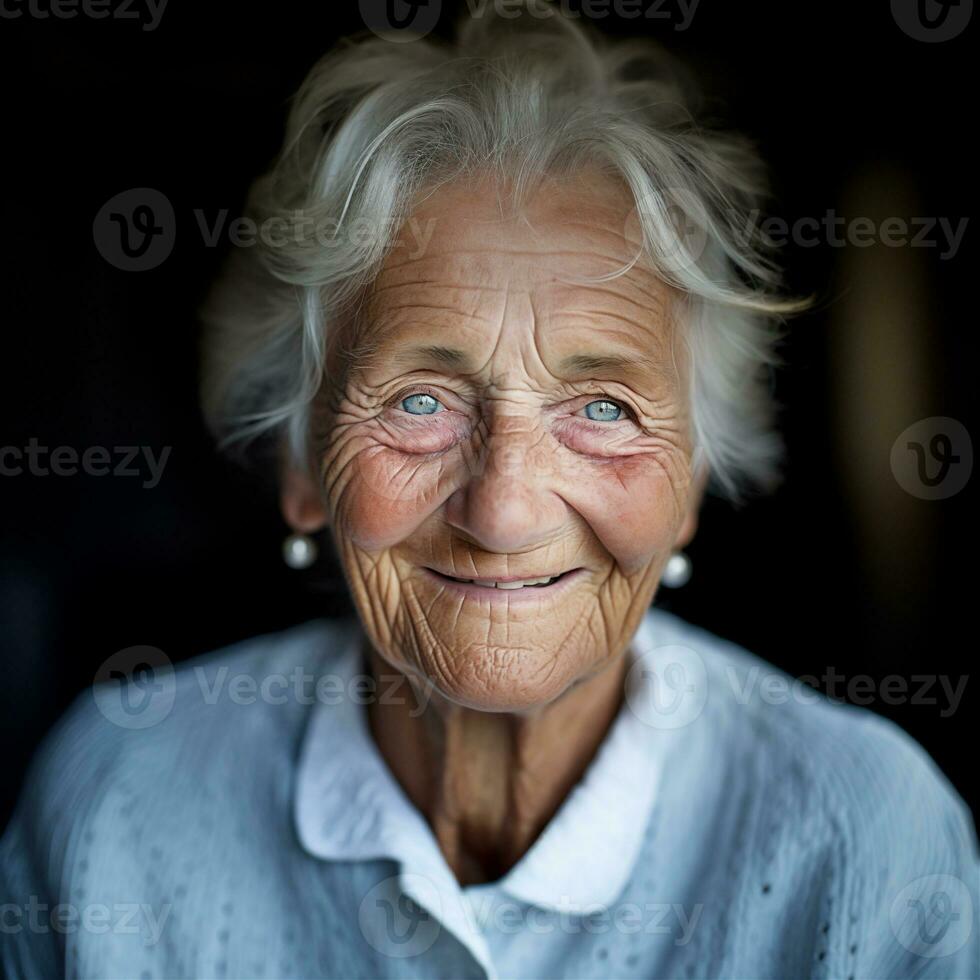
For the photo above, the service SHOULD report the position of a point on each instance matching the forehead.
(466, 269)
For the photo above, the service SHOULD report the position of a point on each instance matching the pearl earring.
(299, 551)
(677, 571)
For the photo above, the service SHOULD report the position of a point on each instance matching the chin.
(516, 678)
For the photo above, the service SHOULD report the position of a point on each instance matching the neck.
(489, 782)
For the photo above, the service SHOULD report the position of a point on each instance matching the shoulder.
(146, 709)
(154, 742)
(157, 783)
(862, 761)
(845, 797)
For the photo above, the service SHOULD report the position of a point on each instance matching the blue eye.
(603, 411)
(421, 403)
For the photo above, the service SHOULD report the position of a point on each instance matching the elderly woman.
(500, 329)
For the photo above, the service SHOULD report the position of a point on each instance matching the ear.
(300, 501)
(689, 525)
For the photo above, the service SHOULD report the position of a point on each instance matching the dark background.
(841, 568)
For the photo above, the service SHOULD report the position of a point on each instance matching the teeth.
(490, 584)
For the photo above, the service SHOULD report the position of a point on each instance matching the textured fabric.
(732, 824)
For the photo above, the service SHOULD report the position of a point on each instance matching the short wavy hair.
(376, 123)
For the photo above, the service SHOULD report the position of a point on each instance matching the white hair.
(376, 122)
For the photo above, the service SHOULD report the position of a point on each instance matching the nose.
(510, 501)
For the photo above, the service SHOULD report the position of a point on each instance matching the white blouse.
(734, 823)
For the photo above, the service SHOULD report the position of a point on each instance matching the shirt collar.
(348, 805)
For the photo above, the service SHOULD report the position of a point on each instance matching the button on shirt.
(732, 824)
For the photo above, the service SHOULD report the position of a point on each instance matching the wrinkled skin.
(509, 476)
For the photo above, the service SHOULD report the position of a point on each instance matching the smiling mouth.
(507, 584)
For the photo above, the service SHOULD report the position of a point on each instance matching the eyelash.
(627, 411)
(423, 390)
(593, 397)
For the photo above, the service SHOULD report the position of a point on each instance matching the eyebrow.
(431, 354)
(572, 366)
(449, 356)
(584, 364)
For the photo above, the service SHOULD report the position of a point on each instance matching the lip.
(490, 594)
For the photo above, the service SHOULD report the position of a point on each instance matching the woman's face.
(510, 423)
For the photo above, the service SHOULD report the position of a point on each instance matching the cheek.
(387, 474)
(386, 495)
(633, 506)
(603, 441)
